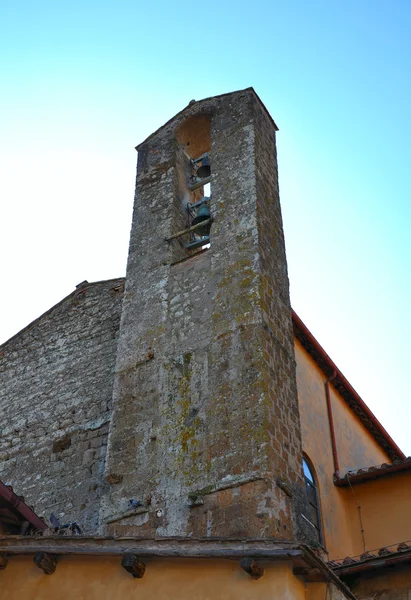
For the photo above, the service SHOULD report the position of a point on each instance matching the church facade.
(184, 416)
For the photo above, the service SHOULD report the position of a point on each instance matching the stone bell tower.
(205, 436)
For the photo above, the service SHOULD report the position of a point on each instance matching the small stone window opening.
(313, 516)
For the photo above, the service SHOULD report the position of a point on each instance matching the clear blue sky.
(83, 82)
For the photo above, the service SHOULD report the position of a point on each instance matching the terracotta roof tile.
(371, 555)
(373, 472)
(403, 546)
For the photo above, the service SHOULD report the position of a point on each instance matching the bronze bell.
(205, 169)
(203, 214)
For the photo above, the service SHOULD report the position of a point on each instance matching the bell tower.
(205, 436)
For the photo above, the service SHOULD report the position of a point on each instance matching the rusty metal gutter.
(331, 423)
(21, 507)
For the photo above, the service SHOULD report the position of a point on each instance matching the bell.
(203, 214)
(205, 169)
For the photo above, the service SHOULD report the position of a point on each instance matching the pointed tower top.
(207, 104)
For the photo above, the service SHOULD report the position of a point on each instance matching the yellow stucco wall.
(100, 578)
(320, 591)
(356, 449)
(385, 508)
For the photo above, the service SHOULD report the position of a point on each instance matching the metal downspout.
(331, 424)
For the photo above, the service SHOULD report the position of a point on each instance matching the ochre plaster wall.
(356, 448)
(385, 508)
(320, 591)
(98, 578)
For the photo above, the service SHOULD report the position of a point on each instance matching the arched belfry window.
(313, 516)
(194, 174)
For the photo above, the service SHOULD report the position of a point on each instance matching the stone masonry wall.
(283, 417)
(55, 402)
(205, 433)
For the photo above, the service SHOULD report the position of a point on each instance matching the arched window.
(313, 516)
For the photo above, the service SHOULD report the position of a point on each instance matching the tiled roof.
(15, 513)
(389, 555)
(373, 472)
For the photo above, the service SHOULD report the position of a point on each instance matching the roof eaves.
(373, 472)
(304, 560)
(18, 504)
(374, 559)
